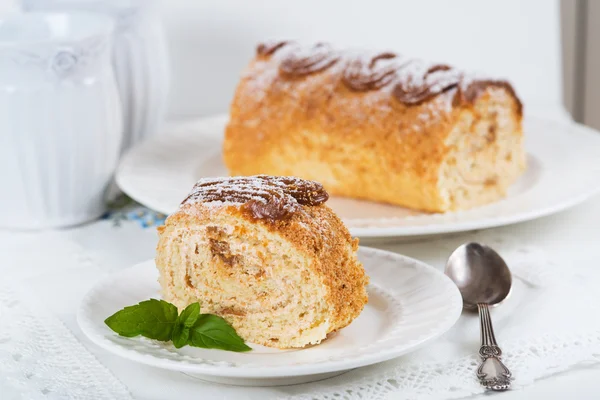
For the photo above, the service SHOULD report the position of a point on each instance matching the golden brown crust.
(368, 143)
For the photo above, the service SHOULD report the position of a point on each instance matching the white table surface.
(574, 233)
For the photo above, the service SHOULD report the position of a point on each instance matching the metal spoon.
(484, 280)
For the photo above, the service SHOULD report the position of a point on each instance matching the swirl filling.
(261, 196)
(468, 93)
(304, 61)
(418, 87)
(269, 48)
(363, 75)
(414, 81)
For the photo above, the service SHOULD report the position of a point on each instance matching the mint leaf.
(154, 319)
(185, 321)
(213, 332)
(180, 335)
(190, 315)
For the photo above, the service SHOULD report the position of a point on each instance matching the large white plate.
(410, 303)
(564, 169)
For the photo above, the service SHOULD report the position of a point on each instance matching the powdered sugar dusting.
(469, 78)
(411, 72)
(265, 196)
(257, 83)
(412, 81)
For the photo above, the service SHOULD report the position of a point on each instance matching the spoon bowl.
(484, 280)
(481, 275)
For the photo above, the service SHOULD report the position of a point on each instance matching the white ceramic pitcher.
(60, 118)
(140, 59)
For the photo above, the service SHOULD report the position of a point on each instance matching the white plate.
(410, 304)
(563, 170)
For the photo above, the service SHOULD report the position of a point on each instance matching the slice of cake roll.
(266, 254)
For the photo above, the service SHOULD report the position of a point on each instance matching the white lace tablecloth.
(548, 325)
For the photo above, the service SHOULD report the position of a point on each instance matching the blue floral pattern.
(126, 209)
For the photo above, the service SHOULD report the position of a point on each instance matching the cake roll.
(377, 126)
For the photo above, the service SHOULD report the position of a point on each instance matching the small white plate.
(563, 171)
(410, 304)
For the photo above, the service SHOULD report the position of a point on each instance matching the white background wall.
(211, 41)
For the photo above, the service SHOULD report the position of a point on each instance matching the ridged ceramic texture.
(141, 66)
(410, 304)
(61, 127)
(563, 170)
(140, 60)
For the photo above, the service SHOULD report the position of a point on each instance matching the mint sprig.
(158, 319)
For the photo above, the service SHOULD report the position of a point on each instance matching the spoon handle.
(492, 373)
